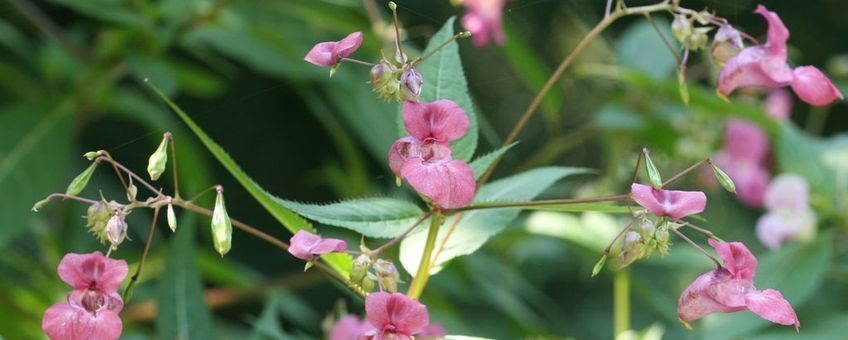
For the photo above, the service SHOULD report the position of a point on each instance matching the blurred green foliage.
(71, 81)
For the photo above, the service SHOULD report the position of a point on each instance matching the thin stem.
(704, 231)
(617, 236)
(552, 80)
(270, 239)
(134, 278)
(204, 192)
(563, 201)
(399, 52)
(621, 301)
(663, 38)
(395, 240)
(638, 163)
(608, 10)
(174, 161)
(358, 62)
(423, 274)
(696, 246)
(441, 46)
(71, 197)
(686, 171)
(117, 172)
(131, 174)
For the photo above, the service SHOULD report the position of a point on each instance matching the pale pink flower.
(329, 53)
(731, 289)
(424, 158)
(93, 306)
(789, 213)
(395, 316)
(765, 66)
(307, 246)
(483, 20)
(672, 203)
(778, 104)
(350, 327)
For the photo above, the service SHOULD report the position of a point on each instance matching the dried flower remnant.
(731, 289)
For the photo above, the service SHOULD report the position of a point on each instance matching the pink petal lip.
(813, 87)
(672, 203)
(63, 321)
(769, 304)
(448, 183)
(442, 120)
(92, 270)
(396, 314)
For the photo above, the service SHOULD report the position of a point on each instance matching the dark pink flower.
(483, 20)
(395, 316)
(765, 66)
(350, 327)
(93, 306)
(307, 246)
(731, 289)
(329, 53)
(671, 203)
(424, 158)
(789, 214)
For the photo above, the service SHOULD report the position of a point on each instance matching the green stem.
(621, 301)
(423, 274)
(564, 201)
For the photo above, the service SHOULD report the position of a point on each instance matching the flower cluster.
(389, 316)
(789, 214)
(93, 305)
(731, 289)
(424, 157)
(765, 66)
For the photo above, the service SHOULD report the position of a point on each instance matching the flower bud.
(132, 191)
(387, 275)
(98, 215)
(368, 283)
(384, 80)
(698, 39)
(222, 227)
(411, 82)
(661, 238)
(80, 181)
(157, 161)
(646, 228)
(116, 229)
(632, 248)
(360, 268)
(681, 28)
(727, 43)
(172, 218)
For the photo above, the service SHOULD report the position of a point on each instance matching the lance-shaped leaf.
(482, 163)
(81, 180)
(373, 217)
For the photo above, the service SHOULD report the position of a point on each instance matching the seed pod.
(222, 227)
(79, 182)
(172, 218)
(387, 275)
(116, 229)
(384, 81)
(632, 248)
(98, 215)
(722, 177)
(653, 173)
(159, 159)
(360, 268)
(411, 82)
(368, 283)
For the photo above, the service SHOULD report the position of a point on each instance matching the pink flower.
(93, 306)
(432, 330)
(483, 20)
(778, 104)
(395, 316)
(751, 177)
(307, 246)
(765, 66)
(731, 289)
(671, 203)
(424, 158)
(789, 214)
(329, 53)
(350, 327)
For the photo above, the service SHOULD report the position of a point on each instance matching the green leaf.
(34, 159)
(582, 207)
(799, 153)
(592, 231)
(79, 182)
(796, 271)
(444, 78)
(642, 49)
(182, 310)
(373, 217)
(286, 217)
(477, 226)
(482, 163)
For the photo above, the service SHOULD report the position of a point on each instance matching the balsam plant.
(462, 208)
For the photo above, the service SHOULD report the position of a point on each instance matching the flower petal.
(813, 87)
(442, 120)
(770, 305)
(738, 260)
(350, 327)
(644, 196)
(401, 150)
(448, 183)
(777, 33)
(483, 20)
(754, 66)
(322, 54)
(745, 140)
(329, 245)
(65, 322)
(348, 45)
(302, 243)
(405, 315)
(787, 191)
(774, 228)
(672, 203)
(84, 270)
(701, 298)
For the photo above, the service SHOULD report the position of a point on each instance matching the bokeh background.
(71, 81)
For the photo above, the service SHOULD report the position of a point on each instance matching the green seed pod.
(359, 268)
(172, 218)
(222, 227)
(653, 173)
(368, 283)
(159, 159)
(722, 177)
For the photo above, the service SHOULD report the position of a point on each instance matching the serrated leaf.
(373, 217)
(182, 312)
(286, 217)
(444, 78)
(477, 226)
(482, 163)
